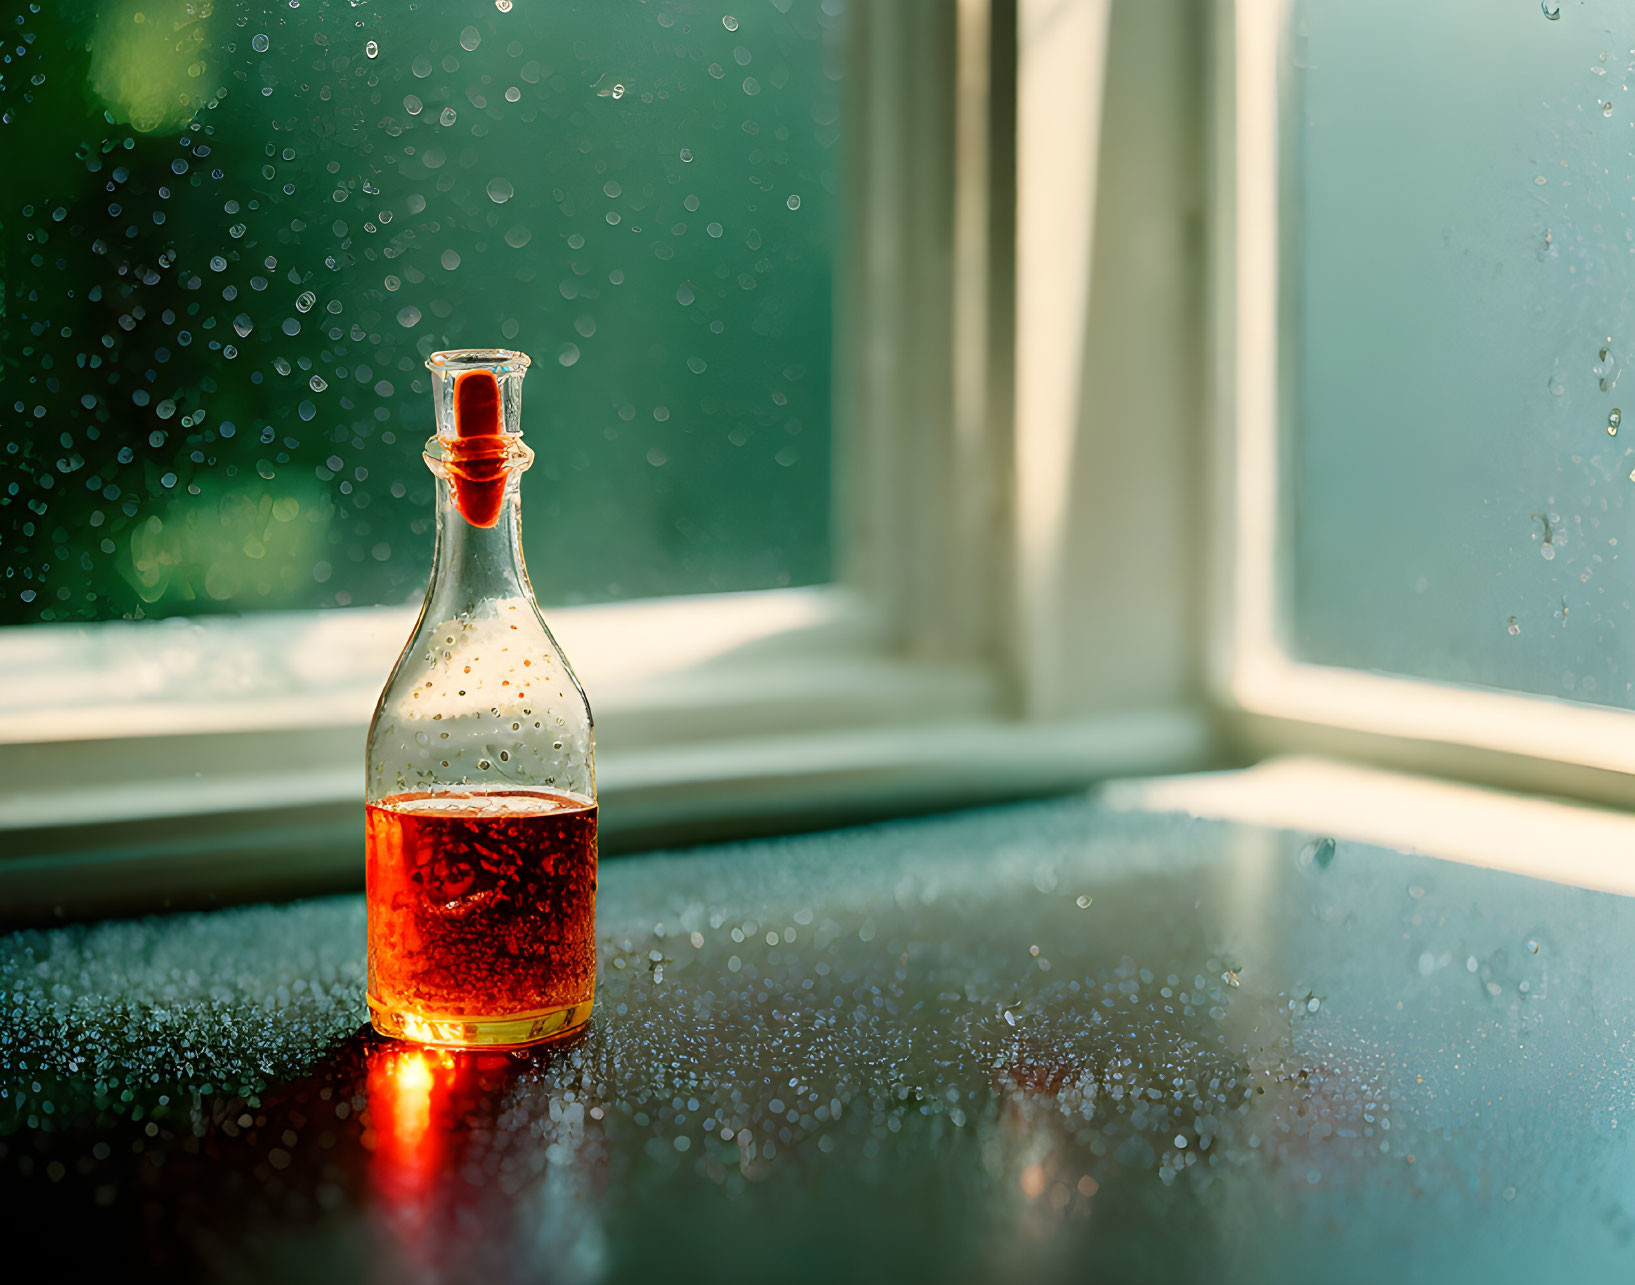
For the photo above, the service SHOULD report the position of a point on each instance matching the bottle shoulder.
(495, 661)
(482, 698)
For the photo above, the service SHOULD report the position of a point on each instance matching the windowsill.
(716, 716)
(1571, 843)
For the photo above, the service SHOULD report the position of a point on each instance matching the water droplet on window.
(371, 49)
(470, 38)
(447, 116)
(259, 43)
(500, 190)
(730, 23)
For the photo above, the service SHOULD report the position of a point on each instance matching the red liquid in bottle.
(482, 915)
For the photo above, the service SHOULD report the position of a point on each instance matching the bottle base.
(514, 1030)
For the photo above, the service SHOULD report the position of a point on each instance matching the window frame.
(1273, 702)
(941, 668)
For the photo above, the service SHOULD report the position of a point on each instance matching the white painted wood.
(1061, 63)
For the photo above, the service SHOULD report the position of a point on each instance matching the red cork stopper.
(476, 404)
(477, 460)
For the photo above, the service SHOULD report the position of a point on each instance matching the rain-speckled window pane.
(1461, 204)
(232, 231)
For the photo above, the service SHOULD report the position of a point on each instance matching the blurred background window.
(1459, 249)
(237, 229)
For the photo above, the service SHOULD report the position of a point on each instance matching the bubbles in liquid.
(500, 191)
(447, 116)
(1511, 627)
(259, 43)
(504, 6)
(793, 202)
(1614, 418)
(410, 316)
(371, 49)
(1551, 9)
(470, 38)
(1558, 386)
(730, 23)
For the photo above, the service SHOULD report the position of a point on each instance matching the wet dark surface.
(1046, 1042)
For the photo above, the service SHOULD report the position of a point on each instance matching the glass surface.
(1460, 250)
(1039, 1043)
(232, 231)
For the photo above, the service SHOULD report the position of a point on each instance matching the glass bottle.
(481, 777)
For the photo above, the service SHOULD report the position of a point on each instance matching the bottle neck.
(473, 563)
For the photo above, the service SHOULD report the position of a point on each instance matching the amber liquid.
(482, 915)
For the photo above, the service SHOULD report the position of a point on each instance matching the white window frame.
(1275, 702)
(960, 657)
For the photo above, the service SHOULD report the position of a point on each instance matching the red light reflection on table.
(405, 1086)
(426, 1109)
(455, 1138)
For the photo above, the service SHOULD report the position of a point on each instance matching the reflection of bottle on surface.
(481, 841)
(437, 1119)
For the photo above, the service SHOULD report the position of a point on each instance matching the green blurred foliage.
(233, 231)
